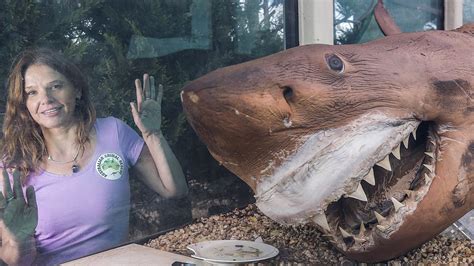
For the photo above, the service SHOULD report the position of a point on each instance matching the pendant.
(75, 168)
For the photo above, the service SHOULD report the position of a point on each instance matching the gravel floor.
(301, 244)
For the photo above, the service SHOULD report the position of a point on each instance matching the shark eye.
(288, 93)
(335, 63)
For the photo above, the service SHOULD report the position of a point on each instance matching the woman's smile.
(52, 111)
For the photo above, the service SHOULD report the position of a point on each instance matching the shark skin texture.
(371, 143)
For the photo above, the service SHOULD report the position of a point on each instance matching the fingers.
(147, 91)
(160, 94)
(139, 91)
(7, 188)
(3, 202)
(152, 88)
(31, 198)
(18, 192)
(146, 86)
(32, 204)
(135, 114)
(3, 205)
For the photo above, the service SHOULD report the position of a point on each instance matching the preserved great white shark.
(372, 143)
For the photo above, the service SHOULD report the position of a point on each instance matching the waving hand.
(18, 218)
(147, 110)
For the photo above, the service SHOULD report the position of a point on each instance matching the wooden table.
(134, 254)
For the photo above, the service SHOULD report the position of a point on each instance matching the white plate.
(232, 251)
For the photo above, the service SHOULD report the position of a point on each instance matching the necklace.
(75, 166)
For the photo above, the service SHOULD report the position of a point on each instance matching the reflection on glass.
(468, 11)
(113, 42)
(252, 19)
(354, 21)
(200, 37)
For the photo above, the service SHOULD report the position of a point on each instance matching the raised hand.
(147, 110)
(18, 217)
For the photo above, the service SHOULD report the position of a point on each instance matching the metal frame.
(453, 14)
(290, 11)
(316, 20)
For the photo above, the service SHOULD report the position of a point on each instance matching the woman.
(74, 167)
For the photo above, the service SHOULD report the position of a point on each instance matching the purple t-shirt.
(88, 211)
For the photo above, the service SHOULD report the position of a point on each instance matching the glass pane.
(354, 21)
(115, 42)
(468, 11)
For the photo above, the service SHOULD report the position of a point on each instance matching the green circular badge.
(109, 166)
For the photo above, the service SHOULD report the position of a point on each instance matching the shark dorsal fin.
(384, 20)
(389, 27)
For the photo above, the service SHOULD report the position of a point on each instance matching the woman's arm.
(18, 221)
(157, 165)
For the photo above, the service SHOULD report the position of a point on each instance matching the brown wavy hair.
(23, 144)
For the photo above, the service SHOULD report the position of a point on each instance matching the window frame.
(316, 19)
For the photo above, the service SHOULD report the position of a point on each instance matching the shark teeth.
(382, 227)
(321, 220)
(359, 240)
(358, 194)
(370, 177)
(397, 204)
(385, 163)
(389, 221)
(413, 133)
(396, 152)
(405, 142)
(429, 167)
(344, 233)
(379, 217)
(430, 154)
(427, 178)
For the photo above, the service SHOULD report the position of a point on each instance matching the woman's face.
(50, 97)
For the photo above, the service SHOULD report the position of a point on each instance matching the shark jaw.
(353, 181)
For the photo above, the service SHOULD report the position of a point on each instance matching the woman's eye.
(335, 63)
(30, 93)
(57, 86)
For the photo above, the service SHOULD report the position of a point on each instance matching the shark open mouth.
(389, 192)
(354, 187)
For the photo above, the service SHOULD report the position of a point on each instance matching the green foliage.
(354, 21)
(97, 35)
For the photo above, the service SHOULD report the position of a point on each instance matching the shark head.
(371, 143)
